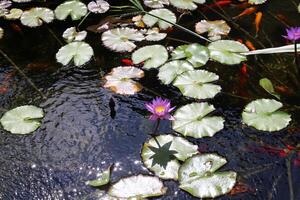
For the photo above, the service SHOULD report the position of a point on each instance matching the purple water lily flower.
(160, 109)
(293, 34)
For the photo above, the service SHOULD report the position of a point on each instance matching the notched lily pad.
(192, 120)
(161, 13)
(22, 120)
(227, 52)
(74, 8)
(199, 176)
(36, 16)
(264, 115)
(79, 52)
(153, 56)
(183, 150)
(137, 187)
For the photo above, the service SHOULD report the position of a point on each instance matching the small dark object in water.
(112, 106)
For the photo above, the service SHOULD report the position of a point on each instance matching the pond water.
(86, 127)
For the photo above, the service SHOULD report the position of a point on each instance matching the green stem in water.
(22, 73)
(54, 35)
(296, 58)
(155, 131)
(83, 19)
(290, 180)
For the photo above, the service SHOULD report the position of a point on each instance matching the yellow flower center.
(160, 109)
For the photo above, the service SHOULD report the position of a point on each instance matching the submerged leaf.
(137, 187)
(102, 180)
(198, 84)
(268, 86)
(79, 52)
(183, 148)
(22, 120)
(36, 16)
(227, 52)
(153, 56)
(74, 8)
(161, 13)
(120, 80)
(192, 120)
(264, 115)
(196, 54)
(186, 4)
(121, 39)
(198, 176)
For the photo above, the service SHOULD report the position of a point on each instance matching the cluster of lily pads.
(198, 174)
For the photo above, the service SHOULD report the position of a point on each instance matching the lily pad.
(121, 39)
(98, 6)
(268, 87)
(169, 71)
(198, 176)
(186, 4)
(79, 52)
(119, 80)
(215, 29)
(156, 3)
(227, 52)
(161, 13)
(195, 53)
(36, 16)
(13, 14)
(197, 84)
(153, 56)
(264, 115)
(137, 187)
(155, 35)
(102, 180)
(1, 33)
(70, 35)
(192, 120)
(184, 150)
(22, 120)
(74, 8)
(256, 2)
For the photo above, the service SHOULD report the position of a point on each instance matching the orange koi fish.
(247, 11)
(257, 21)
(221, 3)
(250, 45)
(240, 188)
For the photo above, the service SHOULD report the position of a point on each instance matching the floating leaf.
(21, 1)
(102, 180)
(22, 120)
(169, 71)
(195, 53)
(161, 13)
(215, 28)
(155, 35)
(13, 14)
(192, 120)
(256, 2)
(137, 187)
(186, 4)
(36, 16)
(184, 150)
(121, 39)
(227, 52)
(74, 8)
(156, 3)
(79, 52)
(198, 176)
(120, 80)
(70, 35)
(153, 56)
(98, 6)
(264, 115)
(198, 84)
(268, 86)
(1, 33)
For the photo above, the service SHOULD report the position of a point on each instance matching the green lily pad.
(169, 71)
(1, 33)
(196, 54)
(227, 52)
(264, 115)
(198, 176)
(198, 84)
(13, 14)
(137, 187)
(74, 8)
(268, 86)
(161, 13)
(79, 52)
(102, 180)
(22, 120)
(186, 4)
(192, 120)
(184, 150)
(153, 56)
(36, 16)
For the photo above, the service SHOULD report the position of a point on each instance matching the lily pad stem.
(296, 58)
(83, 19)
(54, 35)
(155, 131)
(290, 180)
(22, 73)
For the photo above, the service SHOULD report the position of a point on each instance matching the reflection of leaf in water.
(162, 155)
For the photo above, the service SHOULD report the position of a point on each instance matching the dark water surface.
(81, 135)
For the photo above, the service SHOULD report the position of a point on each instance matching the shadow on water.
(83, 132)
